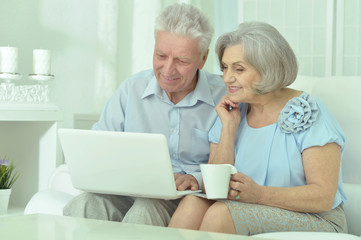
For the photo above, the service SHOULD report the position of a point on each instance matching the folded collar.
(202, 91)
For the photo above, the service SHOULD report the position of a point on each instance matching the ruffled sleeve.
(298, 114)
(326, 130)
(311, 122)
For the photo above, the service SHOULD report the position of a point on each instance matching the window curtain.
(125, 43)
(107, 50)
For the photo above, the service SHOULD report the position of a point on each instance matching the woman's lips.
(233, 89)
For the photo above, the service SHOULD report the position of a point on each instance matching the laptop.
(120, 163)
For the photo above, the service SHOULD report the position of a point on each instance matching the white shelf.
(29, 112)
(29, 139)
(28, 106)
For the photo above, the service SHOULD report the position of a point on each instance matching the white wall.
(69, 29)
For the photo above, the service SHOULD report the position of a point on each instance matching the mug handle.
(233, 169)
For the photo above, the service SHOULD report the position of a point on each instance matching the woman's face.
(238, 75)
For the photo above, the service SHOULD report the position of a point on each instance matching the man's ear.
(204, 59)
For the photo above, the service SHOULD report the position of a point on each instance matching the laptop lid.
(121, 163)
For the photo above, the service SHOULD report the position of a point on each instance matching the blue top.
(140, 105)
(272, 155)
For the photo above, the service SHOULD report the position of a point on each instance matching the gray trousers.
(148, 211)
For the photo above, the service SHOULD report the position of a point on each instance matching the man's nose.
(169, 66)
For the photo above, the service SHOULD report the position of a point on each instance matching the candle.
(41, 61)
(8, 59)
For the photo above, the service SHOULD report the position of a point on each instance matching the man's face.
(176, 60)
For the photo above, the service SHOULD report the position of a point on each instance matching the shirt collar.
(152, 88)
(202, 91)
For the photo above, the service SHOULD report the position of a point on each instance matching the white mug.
(216, 179)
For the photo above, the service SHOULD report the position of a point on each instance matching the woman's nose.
(228, 76)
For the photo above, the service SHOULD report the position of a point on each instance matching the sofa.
(341, 94)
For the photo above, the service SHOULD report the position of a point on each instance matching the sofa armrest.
(48, 202)
(60, 191)
(61, 181)
(352, 208)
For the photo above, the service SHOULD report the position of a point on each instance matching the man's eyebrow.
(178, 57)
(159, 51)
(183, 57)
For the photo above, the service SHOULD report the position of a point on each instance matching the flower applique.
(298, 114)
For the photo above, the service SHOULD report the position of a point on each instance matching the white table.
(51, 227)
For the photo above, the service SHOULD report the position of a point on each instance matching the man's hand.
(185, 181)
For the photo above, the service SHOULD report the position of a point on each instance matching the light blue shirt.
(140, 105)
(272, 157)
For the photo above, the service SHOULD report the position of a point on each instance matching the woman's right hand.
(244, 189)
(228, 112)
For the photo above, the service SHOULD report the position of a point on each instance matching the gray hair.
(186, 20)
(266, 50)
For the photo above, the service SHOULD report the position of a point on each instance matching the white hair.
(186, 20)
(266, 50)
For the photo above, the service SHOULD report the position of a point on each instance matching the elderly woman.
(285, 144)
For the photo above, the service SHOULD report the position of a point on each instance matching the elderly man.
(176, 98)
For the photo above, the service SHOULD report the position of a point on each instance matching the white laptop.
(121, 163)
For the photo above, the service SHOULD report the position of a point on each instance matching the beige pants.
(148, 211)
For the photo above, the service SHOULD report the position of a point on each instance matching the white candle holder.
(41, 77)
(10, 76)
(35, 92)
(41, 86)
(7, 87)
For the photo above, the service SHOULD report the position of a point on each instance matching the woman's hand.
(228, 112)
(244, 189)
(230, 116)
